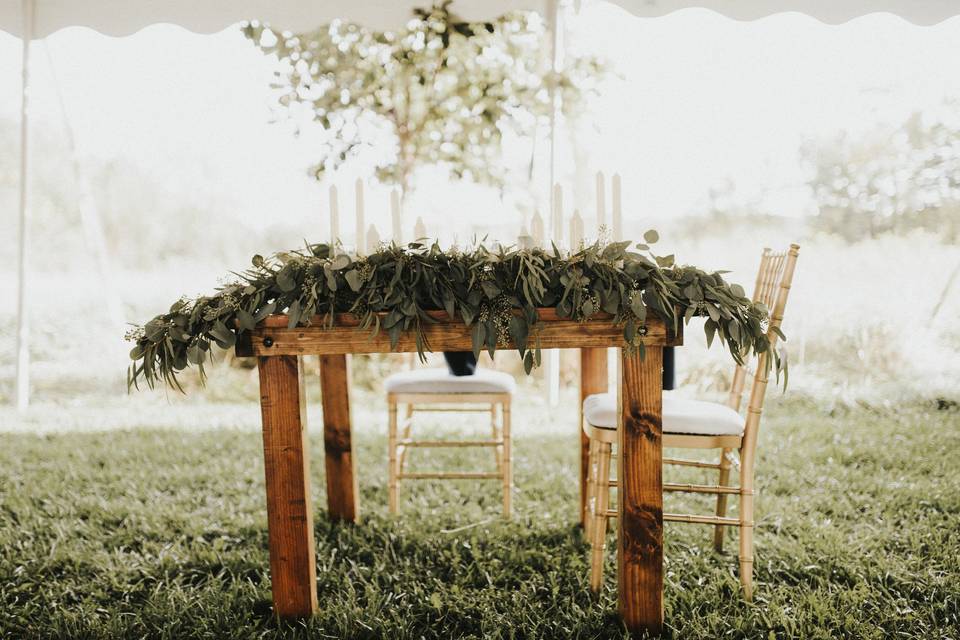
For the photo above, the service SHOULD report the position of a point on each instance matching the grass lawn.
(162, 534)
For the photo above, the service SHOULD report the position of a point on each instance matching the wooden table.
(287, 456)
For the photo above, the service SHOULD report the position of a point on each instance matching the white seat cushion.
(442, 381)
(680, 415)
(600, 410)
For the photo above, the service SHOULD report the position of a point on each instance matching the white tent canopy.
(123, 17)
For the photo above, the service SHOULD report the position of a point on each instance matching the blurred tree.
(891, 179)
(445, 90)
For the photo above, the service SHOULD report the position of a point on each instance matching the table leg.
(286, 456)
(342, 489)
(593, 379)
(640, 497)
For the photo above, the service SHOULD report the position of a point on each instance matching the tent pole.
(553, 20)
(552, 368)
(23, 327)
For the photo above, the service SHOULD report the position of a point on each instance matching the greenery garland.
(495, 291)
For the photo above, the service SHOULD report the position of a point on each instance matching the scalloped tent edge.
(119, 17)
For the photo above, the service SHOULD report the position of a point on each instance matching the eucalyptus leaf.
(154, 330)
(528, 362)
(519, 332)
(341, 262)
(354, 280)
(490, 289)
(293, 313)
(639, 311)
(710, 328)
(220, 332)
(264, 311)
(285, 280)
(196, 355)
(665, 261)
(245, 320)
(478, 336)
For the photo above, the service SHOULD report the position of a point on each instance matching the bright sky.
(701, 98)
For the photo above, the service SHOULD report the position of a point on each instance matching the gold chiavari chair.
(695, 424)
(438, 390)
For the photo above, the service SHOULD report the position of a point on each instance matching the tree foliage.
(497, 293)
(446, 91)
(891, 178)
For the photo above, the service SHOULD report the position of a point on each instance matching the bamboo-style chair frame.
(400, 438)
(774, 279)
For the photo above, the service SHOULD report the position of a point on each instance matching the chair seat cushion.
(442, 381)
(680, 415)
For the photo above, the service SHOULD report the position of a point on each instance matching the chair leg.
(746, 526)
(496, 433)
(746, 547)
(598, 529)
(722, 499)
(405, 435)
(392, 464)
(591, 490)
(507, 460)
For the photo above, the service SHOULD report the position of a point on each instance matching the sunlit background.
(723, 132)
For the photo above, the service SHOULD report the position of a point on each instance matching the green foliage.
(445, 90)
(891, 178)
(495, 292)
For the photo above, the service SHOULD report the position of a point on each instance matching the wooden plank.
(286, 456)
(451, 475)
(342, 488)
(547, 314)
(450, 443)
(272, 337)
(640, 508)
(593, 379)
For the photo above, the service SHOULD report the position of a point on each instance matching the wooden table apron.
(287, 459)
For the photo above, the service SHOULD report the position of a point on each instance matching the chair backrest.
(772, 289)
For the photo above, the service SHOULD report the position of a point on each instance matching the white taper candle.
(557, 221)
(601, 201)
(576, 231)
(395, 216)
(361, 228)
(334, 219)
(536, 229)
(419, 229)
(617, 209)
(373, 239)
(524, 239)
